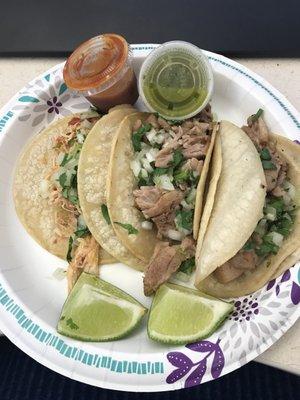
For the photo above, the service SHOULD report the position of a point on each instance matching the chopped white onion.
(185, 205)
(277, 238)
(81, 222)
(147, 225)
(135, 167)
(146, 165)
(160, 138)
(59, 274)
(191, 196)
(151, 135)
(174, 235)
(270, 213)
(86, 124)
(163, 182)
(291, 190)
(80, 137)
(60, 157)
(286, 199)
(144, 173)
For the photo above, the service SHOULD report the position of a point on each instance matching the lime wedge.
(98, 311)
(180, 315)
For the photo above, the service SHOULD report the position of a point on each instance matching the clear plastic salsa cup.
(101, 70)
(176, 80)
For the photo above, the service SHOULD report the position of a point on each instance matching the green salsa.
(176, 84)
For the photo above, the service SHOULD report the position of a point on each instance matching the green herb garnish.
(177, 158)
(188, 266)
(62, 179)
(137, 136)
(249, 246)
(81, 232)
(184, 219)
(265, 154)
(129, 228)
(105, 213)
(268, 165)
(255, 117)
(182, 176)
(160, 171)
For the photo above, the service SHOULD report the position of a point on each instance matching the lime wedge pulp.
(180, 315)
(97, 311)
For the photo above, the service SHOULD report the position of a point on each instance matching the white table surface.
(284, 74)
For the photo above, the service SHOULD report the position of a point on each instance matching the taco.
(155, 189)
(92, 178)
(46, 198)
(252, 230)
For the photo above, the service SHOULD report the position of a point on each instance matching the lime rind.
(181, 315)
(98, 311)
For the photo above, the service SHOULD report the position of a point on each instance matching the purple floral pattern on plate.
(196, 370)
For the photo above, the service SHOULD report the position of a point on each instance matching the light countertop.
(284, 74)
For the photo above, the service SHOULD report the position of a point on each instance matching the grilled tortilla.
(253, 230)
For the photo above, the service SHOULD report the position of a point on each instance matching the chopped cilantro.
(265, 154)
(268, 164)
(64, 160)
(184, 219)
(177, 158)
(62, 179)
(249, 246)
(137, 136)
(105, 213)
(255, 117)
(160, 171)
(81, 232)
(188, 266)
(182, 176)
(130, 229)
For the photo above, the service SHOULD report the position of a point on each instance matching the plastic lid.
(96, 62)
(176, 80)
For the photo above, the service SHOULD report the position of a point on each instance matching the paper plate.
(31, 298)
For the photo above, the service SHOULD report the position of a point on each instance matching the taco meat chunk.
(86, 258)
(165, 201)
(165, 261)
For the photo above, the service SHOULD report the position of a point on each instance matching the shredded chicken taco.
(92, 178)
(46, 197)
(156, 185)
(252, 231)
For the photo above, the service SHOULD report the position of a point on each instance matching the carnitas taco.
(92, 178)
(155, 190)
(251, 230)
(46, 198)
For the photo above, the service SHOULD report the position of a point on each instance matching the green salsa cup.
(176, 80)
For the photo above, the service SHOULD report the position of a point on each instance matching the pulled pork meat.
(159, 205)
(86, 258)
(153, 201)
(236, 266)
(165, 261)
(258, 132)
